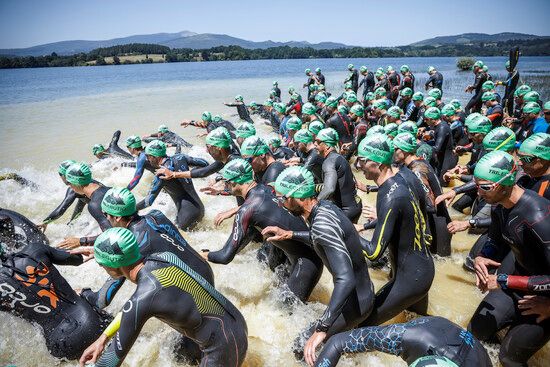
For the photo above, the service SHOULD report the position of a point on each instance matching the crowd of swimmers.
(296, 194)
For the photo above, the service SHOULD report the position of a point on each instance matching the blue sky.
(26, 23)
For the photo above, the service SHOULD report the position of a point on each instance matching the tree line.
(537, 47)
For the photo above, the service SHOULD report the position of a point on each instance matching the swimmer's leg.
(496, 311)
(524, 339)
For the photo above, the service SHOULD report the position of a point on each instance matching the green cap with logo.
(448, 110)
(409, 127)
(418, 96)
(496, 166)
(546, 106)
(538, 145)
(480, 125)
(531, 107)
(395, 112)
(433, 361)
(163, 129)
(377, 148)
(219, 137)
(238, 171)
(406, 92)
(430, 102)
(381, 104)
(320, 97)
(522, 90)
(406, 142)
(351, 97)
(239, 98)
(488, 86)
(133, 141)
(309, 109)
(303, 136)
(329, 136)
(343, 109)
(435, 93)
(488, 96)
(391, 129)
(206, 116)
(294, 123)
(532, 96)
(500, 138)
(119, 202)
(363, 69)
(254, 146)
(380, 92)
(432, 113)
(315, 126)
(156, 148)
(268, 103)
(369, 96)
(217, 118)
(478, 64)
(279, 107)
(245, 130)
(78, 174)
(357, 110)
(274, 141)
(404, 68)
(331, 102)
(116, 247)
(295, 182)
(98, 148)
(431, 69)
(62, 168)
(376, 129)
(456, 103)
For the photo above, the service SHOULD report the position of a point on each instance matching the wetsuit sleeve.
(330, 180)
(61, 257)
(78, 208)
(140, 168)
(207, 170)
(156, 186)
(385, 225)
(114, 140)
(409, 111)
(97, 213)
(326, 233)
(241, 235)
(387, 339)
(536, 283)
(495, 247)
(70, 197)
(197, 162)
(439, 141)
(430, 80)
(469, 187)
(103, 297)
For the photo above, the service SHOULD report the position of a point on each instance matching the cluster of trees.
(538, 47)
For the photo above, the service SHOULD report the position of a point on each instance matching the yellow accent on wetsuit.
(174, 276)
(113, 326)
(380, 236)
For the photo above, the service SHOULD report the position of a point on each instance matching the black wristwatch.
(322, 328)
(83, 241)
(472, 222)
(502, 280)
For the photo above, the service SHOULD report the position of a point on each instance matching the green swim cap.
(471, 117)
(133, 141)
(435, 93)
(432, 113)
(274, 141)
(303, 136)
(296, 182)
(279, 107)
(380, 92)
(377, 148)
(433, 361)
(531, 107)
(389, 68)
(363, 69)
(62, 168)
(119, 202)
(329, 136)
(321, 87)
(239, 98)
(485, 68)
(391, 129)
(307, 71)
(351, 97)
(480, 125)
(268, 103)
(500, 138)
(418, 96)
(369, 96)
(430, 69)
(78, 174)
(424, 151)
(357, 110)
(116, 247)
(378, 73)
(294, 123)
(478, 64)
(347, 85)
(395, 112)
(350, 66)
(538, 145)
(254, 146)
(206, 116)
(376, 129)
(487, 86)
(320, 97)
(496, 166)
(219, 137)
(547, 105)
(404, 68)
(275, 82)
(409, 127)
(406, 142)
(217, 118)
(294, 96)
(238, 171)
(448, 110)
(488, 96)
(343, 109)
(456, 104)
(253, 104)
(291, 89)
(308, 109)
(156, 148)
(406, 92)
(98, 148)
(522, 90)
(331, 102)
(430, 102)
(315, 126)
(381, 105)
(163, 129)
(317, 70)
(245, 130)
(507, 64)
(531, 96)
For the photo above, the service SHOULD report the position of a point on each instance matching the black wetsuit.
(424, 336)
(283, 153)
(337, 243)
(16, 231)
(321, 78)
(68, 200)
(259, 211)
(525, 230)
(354, 79)
(313, 161)
(202, 313)
(359, 133)
(475, 103)
(274, 120)
(94, 207)
(407, 81)
(189, 205)
(242, 111)
(443, 149)
(343, 126)
(170, 138)
(32, 288)
(115, 150)
(368, 83)
(141, 164)
(402, 228)
(511, 84)
(271, 173)
(394, 82)
(339, 185)
(277, 91)
(435, 81)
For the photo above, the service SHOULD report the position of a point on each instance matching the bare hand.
(492, 283)
(482, 273)
(311, 345)
(535, 305)
(87, 252)
(185, 123)
(359, 227)
(361, 186)
(448, 197)
(69, 243)
(164, 173)
(42, 227)
(458, 226)
(220, 217)
(369, 212)
(272, 233)
(209, 190)
(204, 254)
(91, 354)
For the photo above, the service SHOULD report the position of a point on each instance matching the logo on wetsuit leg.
(15, 296)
